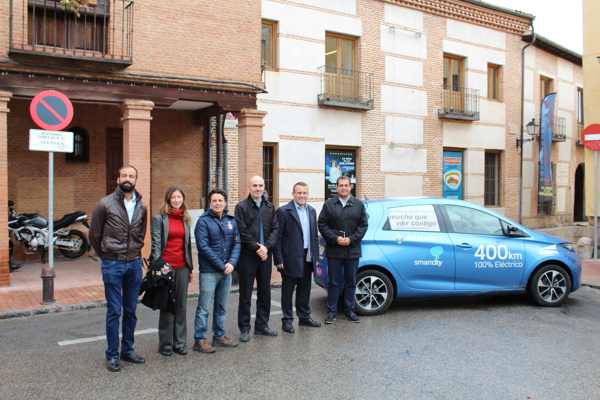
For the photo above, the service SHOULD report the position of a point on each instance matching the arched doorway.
(579, 202)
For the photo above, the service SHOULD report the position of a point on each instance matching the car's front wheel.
(374, 292)
(550, 286)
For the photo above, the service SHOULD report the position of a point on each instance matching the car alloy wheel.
(374, 292)
(550, 286)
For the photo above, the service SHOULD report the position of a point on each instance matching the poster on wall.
(452, 175)
(338, 163)
(545, 192)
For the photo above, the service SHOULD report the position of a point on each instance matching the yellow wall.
(591, 90)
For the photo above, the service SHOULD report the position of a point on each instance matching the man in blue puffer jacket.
(218, 243)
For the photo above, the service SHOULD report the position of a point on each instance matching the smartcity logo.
(436, 252)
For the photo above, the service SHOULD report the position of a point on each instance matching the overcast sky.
(558, 20)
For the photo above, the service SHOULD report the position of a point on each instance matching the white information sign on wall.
(57, 141)
(413, 218)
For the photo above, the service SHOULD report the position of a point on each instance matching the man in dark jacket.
(343, 223)
(218, 243)
(117, 235)
(296, 253)
(258, 227)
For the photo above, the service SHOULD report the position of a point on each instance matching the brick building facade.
(152, 94)
(391, 92)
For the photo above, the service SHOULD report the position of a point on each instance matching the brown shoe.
(223, 341)
(203, 346)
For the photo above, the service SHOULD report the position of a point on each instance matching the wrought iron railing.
(559, 130)
(346, 88)
(579, 141)
(99, 29)
(460, 103)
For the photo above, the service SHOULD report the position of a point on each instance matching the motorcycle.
(32, 231)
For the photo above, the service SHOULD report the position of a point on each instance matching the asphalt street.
(465, 348)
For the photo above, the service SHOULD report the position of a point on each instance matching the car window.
(412, 218)
(472, 221)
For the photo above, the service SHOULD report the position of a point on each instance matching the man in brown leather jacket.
(117, 235)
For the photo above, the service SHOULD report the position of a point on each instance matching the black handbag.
(158, 286)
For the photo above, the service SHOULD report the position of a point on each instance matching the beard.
(127, 187)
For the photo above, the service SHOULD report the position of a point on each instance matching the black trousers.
(302, 286)
(249, 270)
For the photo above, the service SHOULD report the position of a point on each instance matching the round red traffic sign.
(591, 137)
(51, 110)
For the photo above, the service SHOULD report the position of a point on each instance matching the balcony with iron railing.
(460, 104)
(344, 88)
(97, 33)
(559, 130)
(579, 141)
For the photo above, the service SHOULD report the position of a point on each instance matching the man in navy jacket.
(218, 243)
(296, 255)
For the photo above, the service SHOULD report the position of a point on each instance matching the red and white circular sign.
(591, 137)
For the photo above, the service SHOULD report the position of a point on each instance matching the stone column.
(250, 124)
(4, 256)
(136, 150)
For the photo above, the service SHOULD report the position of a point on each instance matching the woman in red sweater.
(171, 241)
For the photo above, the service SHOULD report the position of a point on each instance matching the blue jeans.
(122, 280)
(342, 276)
(214, 286)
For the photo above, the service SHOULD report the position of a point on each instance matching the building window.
(494, 82)
(454, 74)
(580, 106)
(269, 45)
(269, 171)
(339, 162)
(340, 54)
(492, 179)
(81, 146)
(546, 87)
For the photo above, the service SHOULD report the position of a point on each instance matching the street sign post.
(52, 111)
(591, 140)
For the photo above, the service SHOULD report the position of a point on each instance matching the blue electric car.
(439, 247)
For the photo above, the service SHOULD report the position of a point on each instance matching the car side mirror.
(512, 230)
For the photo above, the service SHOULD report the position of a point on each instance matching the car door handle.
(464, 246)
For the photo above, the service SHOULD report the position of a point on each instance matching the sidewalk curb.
(56, 308)
(591, 285)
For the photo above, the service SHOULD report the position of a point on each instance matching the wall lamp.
(531, 129)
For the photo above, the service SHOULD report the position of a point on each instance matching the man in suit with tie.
(296, 254)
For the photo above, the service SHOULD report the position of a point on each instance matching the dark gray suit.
(172, 328)
(290, 251)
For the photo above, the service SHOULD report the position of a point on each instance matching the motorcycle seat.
(67, 219)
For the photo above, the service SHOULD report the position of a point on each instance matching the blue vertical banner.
(452, 175)
(545, 187)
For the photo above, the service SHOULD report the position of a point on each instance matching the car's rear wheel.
(550, 286)
(374, 292)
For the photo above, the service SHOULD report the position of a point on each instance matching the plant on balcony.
(75, 5)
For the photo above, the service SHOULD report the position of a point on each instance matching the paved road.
(492, 348)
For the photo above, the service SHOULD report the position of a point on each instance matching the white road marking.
(144, 331)
(103, 337)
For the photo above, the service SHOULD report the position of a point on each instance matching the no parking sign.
(51, 110)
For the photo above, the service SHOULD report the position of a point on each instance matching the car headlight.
(568, 246)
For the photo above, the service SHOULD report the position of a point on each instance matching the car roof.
(407, 201)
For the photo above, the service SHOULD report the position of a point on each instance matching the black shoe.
(288, 327)
(133, 358)
(265, 332)
(113, 364)
(245, 336)
(166, 352)
(352, 317)
(330, 318)
(310, 322)
(181, 352)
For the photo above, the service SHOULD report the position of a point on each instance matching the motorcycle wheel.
(76, 252)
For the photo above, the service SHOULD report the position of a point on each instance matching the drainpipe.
(523, 119)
